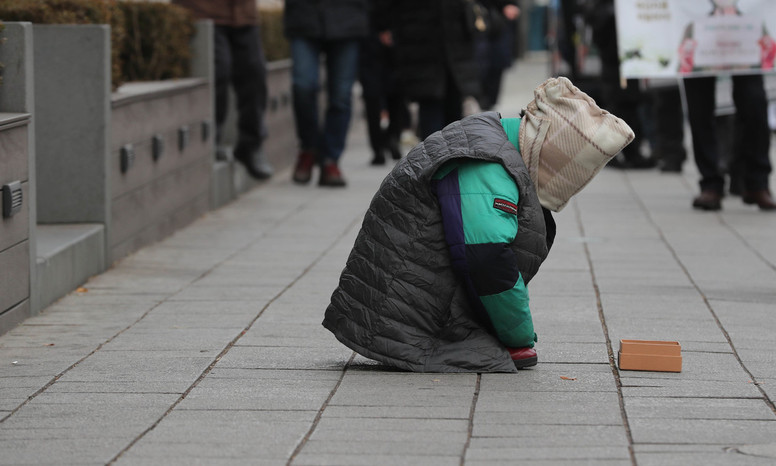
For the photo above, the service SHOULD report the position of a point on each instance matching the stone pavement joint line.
(470, 429)
(234, 341)
(317, 419)
(605, 329)
(768, 401)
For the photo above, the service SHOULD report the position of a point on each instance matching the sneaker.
(303, 171)
(523, 357)
(331, 175)
(255, 163)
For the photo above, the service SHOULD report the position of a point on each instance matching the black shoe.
(393, 148)
(255, 163)
(670, 166)
(378, 158)
(708, 200)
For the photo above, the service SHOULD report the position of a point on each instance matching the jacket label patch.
(506, 206)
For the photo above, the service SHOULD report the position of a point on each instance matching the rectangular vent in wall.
(12, 198)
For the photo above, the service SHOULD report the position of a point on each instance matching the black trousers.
(628, 102)
(751, 138)
(668, 120)
(381, 91)
(240, 62)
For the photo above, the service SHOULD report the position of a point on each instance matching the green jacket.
(399, 299)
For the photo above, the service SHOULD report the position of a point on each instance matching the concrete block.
(14, 275)
(142, 108)
(12, 317)
(222, 187)
(16, 229)
(181, 217)
(162, 115)
(155, 202)
(17, 93)
(68, 254)
(13, 147)
(72, 117)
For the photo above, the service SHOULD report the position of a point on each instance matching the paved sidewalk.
(207, 348)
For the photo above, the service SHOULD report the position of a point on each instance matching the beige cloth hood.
(565, 140)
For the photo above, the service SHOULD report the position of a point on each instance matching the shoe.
(255, 163)
(670, 166)
(303, 171)
(378, 158)
(393, 148)
(761, 197)
(523, 357)
(331, 175)
(708, 200)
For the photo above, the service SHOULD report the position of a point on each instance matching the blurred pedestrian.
(752, 137)
(435, 53)
(628, 102)
(495, 50)
(239, 62)
(751, 141)
(334, 29)
(667, 117)
(382, 95)
(437, 279)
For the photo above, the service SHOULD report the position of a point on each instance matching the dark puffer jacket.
(398, 300)
(325, 19)
(433, 38)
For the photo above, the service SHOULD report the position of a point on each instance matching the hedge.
(272, 38)
(71, 12)
(149, 40)
(157, 43)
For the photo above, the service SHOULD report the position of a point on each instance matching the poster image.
(669, 38)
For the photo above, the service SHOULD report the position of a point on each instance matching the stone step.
(67, 255)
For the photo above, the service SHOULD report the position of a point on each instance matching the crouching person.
(436, 280)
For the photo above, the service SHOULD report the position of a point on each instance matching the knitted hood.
(565, 140)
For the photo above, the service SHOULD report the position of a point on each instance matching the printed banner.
(669, 38)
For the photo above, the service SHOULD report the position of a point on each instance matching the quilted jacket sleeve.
(479, 210)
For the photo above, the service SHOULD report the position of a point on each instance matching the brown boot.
(761, 197)
(303, 171)
(331, 175)
(708, 200)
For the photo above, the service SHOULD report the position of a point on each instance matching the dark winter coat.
(399, 300)
(432, 38)
(325, 19)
